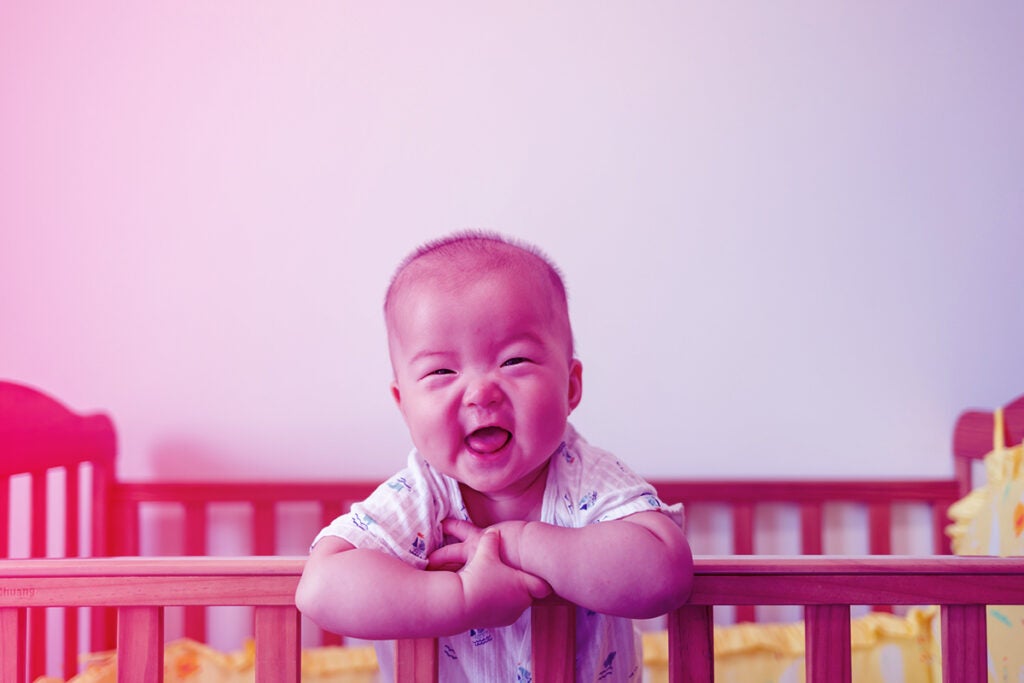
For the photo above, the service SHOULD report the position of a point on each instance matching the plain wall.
(792, 233)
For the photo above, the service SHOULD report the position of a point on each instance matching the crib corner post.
(691, 644)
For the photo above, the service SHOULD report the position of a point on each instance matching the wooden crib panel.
(197, 499)
(40, 437)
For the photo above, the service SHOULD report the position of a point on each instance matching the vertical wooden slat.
(38, 646)
(5, 516)
(105, 507)
(195, 528)
(827, 637)
(329, 510)
(416, 660)
(116, 535)
(964, 644)
(553, 638)
(71, 549)
(264, 529)
(71, 503)
(880, 529)
(12, 644)
(140, 645)
(810, 529)
(39, 516)
(125, 521)
(277, 644)
(743, 544)
(941, 542)
(195, 545)
(880, 536)
(691, 642)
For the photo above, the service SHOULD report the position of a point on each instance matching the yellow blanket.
(990, 521)
(885, 649)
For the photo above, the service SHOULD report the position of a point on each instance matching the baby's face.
(484, 377)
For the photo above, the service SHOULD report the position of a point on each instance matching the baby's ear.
(396, 394)
(575, 383)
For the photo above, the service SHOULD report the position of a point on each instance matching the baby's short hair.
(477, 252)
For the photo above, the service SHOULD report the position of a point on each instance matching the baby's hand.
(454, 556)
(494, 593)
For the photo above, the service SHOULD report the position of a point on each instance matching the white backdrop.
(792, 234)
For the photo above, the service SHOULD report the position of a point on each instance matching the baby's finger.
(488, 547)
(448, 556)
(537, 587)
(459, 528)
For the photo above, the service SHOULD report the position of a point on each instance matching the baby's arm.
(368, 594)
(639, 566)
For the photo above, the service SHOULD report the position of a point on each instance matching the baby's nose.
(483, 391)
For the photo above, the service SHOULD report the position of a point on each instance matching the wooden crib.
(108, 516)
(140, 588)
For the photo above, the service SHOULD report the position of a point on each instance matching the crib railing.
(743, 498)
(139, 588)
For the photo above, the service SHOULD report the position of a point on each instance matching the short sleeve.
(592, 485)
(401, 518)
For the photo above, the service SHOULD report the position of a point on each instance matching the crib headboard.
(56, 475)
(973, 438)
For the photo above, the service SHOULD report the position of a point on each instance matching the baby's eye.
(441, 371)
(515, 361)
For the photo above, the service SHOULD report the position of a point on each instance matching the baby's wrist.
(525, 542)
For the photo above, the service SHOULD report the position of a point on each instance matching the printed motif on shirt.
(607, 667)
(588, 500)
(480, 636)
(399, 484)
(419, 546)
(364, 522)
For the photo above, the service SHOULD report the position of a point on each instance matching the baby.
(501, 497)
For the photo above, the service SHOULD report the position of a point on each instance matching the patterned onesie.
(585, 485)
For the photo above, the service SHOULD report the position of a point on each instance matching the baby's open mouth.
(488, 440)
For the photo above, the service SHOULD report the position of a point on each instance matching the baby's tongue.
(488, 439)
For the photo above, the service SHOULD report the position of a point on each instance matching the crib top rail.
(718, 580)
(813, 491)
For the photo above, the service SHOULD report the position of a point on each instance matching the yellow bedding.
(885, 648)
(990, 521)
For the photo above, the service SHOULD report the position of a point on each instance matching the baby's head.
(482, 352)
